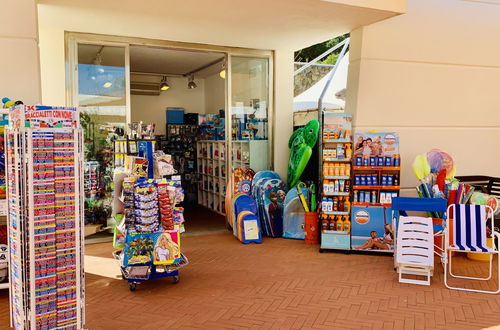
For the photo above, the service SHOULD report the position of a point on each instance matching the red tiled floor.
(280, 284)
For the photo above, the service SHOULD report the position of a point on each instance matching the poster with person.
(376, 144)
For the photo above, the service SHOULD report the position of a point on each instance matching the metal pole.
(328, 52)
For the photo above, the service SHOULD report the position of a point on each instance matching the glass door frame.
(72, 39)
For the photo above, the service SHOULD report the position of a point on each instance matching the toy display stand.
(149, 230)
(137, 274)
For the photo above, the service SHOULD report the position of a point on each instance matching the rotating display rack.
(44, 161)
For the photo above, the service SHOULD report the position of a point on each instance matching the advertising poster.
(376, 144)
(138, 248)
(167, 248)
(372, 229)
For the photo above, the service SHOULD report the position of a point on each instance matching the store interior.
(180, 96)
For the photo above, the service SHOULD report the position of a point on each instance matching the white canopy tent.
(309, 98)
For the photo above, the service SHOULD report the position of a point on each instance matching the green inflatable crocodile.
(301, 143)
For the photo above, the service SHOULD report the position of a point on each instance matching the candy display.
(45, 217)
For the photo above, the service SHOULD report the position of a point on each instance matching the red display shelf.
(376, 168)
(376, 187)
(370, 204)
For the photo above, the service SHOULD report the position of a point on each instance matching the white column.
(19, 60)
(283, 103)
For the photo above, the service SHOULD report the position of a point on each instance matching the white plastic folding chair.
(415, 249)
(469, 224)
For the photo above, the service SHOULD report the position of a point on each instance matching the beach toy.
(301, 185)
(421, 167)
(301, 143)
(293, 214)
(479, 198)
(447, 163)
(435, 160)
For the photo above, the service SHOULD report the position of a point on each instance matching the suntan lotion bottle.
(347, 205)
(347, 224)
(340, 224)
(348, 151)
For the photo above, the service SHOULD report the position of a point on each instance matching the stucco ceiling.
(263, 24)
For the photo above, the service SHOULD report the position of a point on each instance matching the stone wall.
(308, 77)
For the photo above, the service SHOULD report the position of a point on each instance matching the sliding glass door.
(99, 76)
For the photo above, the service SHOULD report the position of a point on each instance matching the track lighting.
(222, 72)
(164, 85)
(191, 83)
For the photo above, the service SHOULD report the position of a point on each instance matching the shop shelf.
(376, 168)
(335, 232)
(336, 213)
(370, 204)
(337, 141)
(336, 159)
(376, 187)
(340, 177)
(336, 194)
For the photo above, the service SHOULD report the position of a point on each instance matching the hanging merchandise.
(336, 181)
(45, 202)
(301, 143)
(376, 171)
(152, 221)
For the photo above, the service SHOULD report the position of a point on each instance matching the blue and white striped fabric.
(469, 227)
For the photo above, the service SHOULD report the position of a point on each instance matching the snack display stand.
(44, 161)
(335, 189)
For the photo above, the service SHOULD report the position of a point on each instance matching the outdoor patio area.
(278, 284)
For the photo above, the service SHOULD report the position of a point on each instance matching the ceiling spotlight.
(222, 72)
(191, 83)
(164, 85)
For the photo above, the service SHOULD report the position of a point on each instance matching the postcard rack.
(44, 161)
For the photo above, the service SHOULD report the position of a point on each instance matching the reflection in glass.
(102, 100)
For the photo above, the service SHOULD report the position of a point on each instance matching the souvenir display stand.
(376, 173)
(335, 189)
(149, 231)
(44, 160)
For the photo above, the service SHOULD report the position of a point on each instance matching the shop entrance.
(207, 108)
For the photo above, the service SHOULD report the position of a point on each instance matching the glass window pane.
(103, 102)
(249, 106)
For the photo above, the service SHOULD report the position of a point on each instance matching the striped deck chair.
(468, 226)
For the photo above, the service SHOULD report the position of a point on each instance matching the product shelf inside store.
(336, 232)
(340, 177)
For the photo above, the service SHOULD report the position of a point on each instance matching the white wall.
(19, 60)
(215, 93)
(151, 109)
(433, 75)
